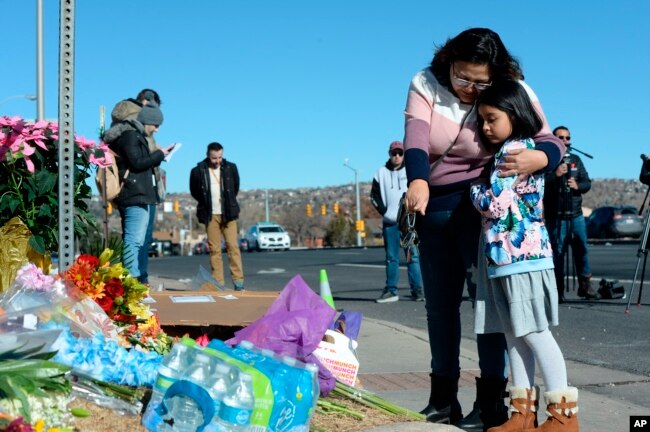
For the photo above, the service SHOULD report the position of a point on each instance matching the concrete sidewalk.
(395, 363)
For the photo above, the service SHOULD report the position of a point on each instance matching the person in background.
(123, 111)
(566, 223)
(443, 156)
(214, 184)
(388, 186)
(138, 193)
(518, 296)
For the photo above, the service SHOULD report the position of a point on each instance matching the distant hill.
(288, 207)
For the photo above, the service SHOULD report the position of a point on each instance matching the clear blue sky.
(292, 88)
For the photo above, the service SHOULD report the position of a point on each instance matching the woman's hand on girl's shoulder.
(522, 163)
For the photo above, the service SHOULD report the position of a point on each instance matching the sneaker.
(387, 297)
(417, 295)
(239, 285)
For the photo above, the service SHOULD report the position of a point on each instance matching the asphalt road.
(596, 332)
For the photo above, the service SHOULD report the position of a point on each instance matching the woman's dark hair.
(511, 97)
(479, 46)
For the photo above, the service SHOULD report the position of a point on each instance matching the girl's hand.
(522, 163)
(417, 196)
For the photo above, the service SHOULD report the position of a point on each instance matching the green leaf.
(38, 244)
(46, 182)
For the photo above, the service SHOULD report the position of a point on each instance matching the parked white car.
(267, 236)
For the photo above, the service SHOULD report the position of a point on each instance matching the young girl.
(519, 297)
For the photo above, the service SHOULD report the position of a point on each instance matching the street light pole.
(356, 184)
(28, 97)
(40, 104)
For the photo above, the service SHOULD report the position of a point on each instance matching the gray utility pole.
(266, 204)
(40, 94)
(356, 184)
(66, 135)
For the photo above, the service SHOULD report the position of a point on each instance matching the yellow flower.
(39, 426)
(105, 256)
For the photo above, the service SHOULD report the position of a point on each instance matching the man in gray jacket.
(388, 186)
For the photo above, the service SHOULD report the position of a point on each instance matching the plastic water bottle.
(184, 410)
(222, 381)
(237, 406)
(169, 371)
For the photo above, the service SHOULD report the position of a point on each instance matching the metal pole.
(266, 203)
(40, 104)
(66, 135)
(356, 184)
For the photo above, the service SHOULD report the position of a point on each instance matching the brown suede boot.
(562, 408)
(523, 406)
(586, 290)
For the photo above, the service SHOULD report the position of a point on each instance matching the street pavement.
(394, 364)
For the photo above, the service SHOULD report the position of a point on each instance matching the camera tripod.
(643, 251)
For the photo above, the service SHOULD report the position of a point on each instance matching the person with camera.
(564, 219)
(388, 186)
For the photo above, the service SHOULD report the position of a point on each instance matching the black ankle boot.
(443, 402)
(489, 409)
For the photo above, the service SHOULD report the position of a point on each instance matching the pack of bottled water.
(239, 389)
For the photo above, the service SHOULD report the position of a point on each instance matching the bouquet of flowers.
(121, 296)
(29, 174)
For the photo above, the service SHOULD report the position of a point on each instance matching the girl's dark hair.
(476, 45)
(511, 97)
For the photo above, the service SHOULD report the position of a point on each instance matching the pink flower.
(85, 144)
(31, 277)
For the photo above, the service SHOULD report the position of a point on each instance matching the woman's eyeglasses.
(465, 83)
(397, 153)
(568, 138)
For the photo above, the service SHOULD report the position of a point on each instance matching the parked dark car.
(614, 222)
(159, 248)
(201, 248)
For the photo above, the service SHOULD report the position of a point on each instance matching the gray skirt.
(520, 304)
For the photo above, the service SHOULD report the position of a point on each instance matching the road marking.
(272, 270)
(362, 265)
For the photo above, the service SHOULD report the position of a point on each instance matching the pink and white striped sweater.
(435, 117)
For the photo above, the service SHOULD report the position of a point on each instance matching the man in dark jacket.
(564, 219)
(136, 165)
(214, 184)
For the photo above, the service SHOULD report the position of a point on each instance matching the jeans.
(448, 258)
(143, 256)
(392, 248)
(135, 220)
(560, 238)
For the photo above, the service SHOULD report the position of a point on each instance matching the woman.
(443, 156)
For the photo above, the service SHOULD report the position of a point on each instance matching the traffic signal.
(360, 225)
(336, 207)
(323, 210)
(177, 206)
(109, 208)
(308, 210)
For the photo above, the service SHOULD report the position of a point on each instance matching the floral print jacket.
(516, 239)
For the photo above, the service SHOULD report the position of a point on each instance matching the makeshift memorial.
(29, 154)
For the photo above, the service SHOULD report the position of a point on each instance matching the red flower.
(91, 260)
(105, 303)
(114, 288)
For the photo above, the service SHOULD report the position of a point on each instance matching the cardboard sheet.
(210, 308)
